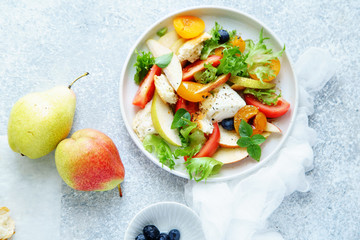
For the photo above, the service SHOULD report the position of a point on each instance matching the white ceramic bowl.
(249, 28)
(167, 216)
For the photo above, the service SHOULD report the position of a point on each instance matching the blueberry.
(228, 124)
(224, 36)
(164, 236)
(174, 234)
(140, 237)
(151, 232)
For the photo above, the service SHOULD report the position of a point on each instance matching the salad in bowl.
(206, 99)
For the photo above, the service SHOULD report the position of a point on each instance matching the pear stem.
(120, 192)
(85, 74)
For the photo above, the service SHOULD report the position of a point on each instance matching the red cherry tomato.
(190, 70)
(191, 107)
(270, 111)
(147, 87)
(211, 144)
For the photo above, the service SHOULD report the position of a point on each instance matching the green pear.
(39, 121)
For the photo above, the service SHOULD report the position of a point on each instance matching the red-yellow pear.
(89, 161)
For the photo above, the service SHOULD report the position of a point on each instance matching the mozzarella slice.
(223, 103)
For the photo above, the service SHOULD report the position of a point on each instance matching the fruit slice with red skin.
(199, 65)
(211, 144)
(147, 87)
(191, 107)
(89, 161)
(270, 111)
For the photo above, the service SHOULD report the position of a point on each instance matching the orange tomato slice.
(237, 41)
(274, 65)
(189, 26)
(187, 91)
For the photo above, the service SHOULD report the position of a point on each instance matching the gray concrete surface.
(43, 43)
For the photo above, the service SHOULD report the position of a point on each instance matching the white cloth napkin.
(241, 207)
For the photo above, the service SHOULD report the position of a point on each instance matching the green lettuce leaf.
(202, 168)
(191, 145)
(211, 44)
(162, 149)
(233, 62)
(207, 76)
(266, 96)
(259, 57)
(144, 61)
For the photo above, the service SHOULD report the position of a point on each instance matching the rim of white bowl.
(246, 172)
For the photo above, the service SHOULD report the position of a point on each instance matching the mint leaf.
(155, 143)
(202, 168)
(144, 61)
(254, 151)
(245, 129)
(164, 60)
(162, 31)
(258, 139)
(244, 142)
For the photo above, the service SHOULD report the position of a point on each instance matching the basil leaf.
(258, 139)
(245, 129)
(162, 31)
(164, 60)
(244, 142)
(180, 118)
(254, 151)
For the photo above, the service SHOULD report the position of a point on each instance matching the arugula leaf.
(202, 168)
(162, 149)
(162, 31)
(259, 57)
(211, 44)
(144, 61)
(251, 143)
(266, 96)
(209, 75)
(233, 62)
(164, 60)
